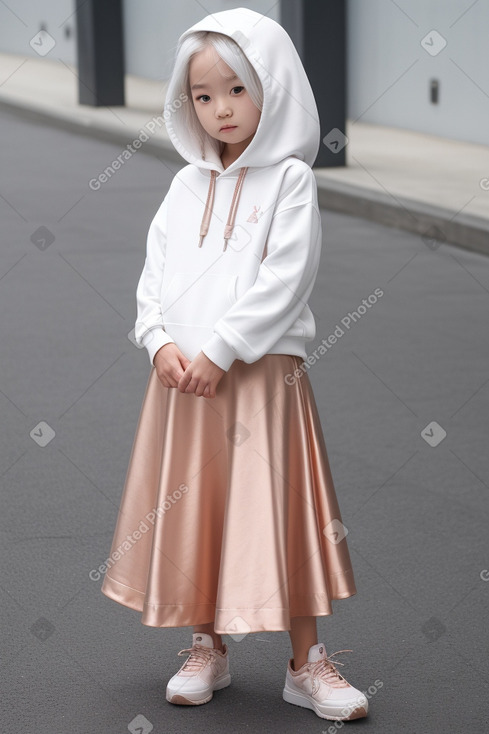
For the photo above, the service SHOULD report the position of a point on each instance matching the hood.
(289, 122)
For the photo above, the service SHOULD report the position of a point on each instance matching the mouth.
(228, 127)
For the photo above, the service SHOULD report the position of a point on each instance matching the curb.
(434, 224)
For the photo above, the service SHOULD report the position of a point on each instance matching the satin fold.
(229, 513)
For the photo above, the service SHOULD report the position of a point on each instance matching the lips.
(228, 127)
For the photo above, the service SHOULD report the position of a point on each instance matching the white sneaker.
(317, 685)
(206, 670)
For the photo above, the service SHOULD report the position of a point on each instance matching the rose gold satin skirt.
(229, 513)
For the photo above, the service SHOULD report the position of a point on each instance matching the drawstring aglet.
(228, 230)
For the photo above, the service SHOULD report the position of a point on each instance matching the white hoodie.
(246, 295)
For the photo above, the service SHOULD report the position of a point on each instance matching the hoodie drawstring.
(208, 208)
(204, 227)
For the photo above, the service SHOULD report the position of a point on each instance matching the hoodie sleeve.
(148, 329)
(284, 281)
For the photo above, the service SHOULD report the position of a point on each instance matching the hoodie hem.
(219, 351)
(155, 339)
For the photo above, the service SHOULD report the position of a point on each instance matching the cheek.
(254, 118)
(200, 112)
(253, 113)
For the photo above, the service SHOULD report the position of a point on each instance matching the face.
(220, 99)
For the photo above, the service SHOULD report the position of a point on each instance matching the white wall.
(390, 72)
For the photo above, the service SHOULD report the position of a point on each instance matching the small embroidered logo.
(255, 216)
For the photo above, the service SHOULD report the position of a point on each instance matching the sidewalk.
(434, 186)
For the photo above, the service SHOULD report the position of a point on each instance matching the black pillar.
(100, 51)
(318, 30)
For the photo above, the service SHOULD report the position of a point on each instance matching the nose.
(222, 109)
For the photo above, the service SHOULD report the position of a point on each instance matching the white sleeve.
(148, 329)
(284, 281)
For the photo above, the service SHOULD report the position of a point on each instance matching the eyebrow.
(204, 86)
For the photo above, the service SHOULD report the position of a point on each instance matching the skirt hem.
(227, 621)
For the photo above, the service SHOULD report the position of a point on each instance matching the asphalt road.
(403, 397)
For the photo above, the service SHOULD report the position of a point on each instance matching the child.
(229, 520)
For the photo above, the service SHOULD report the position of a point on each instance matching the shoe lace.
(198, 655)
(326, 670)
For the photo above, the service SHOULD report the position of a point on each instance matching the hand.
(170, 364)
(201, 377)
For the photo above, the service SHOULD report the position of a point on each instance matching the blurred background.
(383, 41)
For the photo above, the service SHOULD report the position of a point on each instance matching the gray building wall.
(152, 28)
(390, 70)
(389, 66)
(21, 20)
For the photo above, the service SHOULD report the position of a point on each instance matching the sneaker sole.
(194, 699)
(301, 699)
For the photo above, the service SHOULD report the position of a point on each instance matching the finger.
(192, 384)
(176, 375)
(200, 388)
(184, 381)
(209, 392)
(183, 361)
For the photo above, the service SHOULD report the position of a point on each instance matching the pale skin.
(219, 99)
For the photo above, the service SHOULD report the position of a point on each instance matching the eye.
(238, 88)
(202, 95)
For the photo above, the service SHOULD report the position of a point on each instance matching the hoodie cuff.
(154, 339)
(219, 352)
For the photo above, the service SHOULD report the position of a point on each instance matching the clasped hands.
(200, 375)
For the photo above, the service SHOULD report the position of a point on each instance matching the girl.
(229, 520)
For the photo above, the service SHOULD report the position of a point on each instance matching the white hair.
(179, 83)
